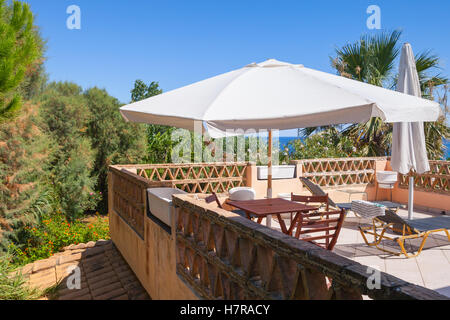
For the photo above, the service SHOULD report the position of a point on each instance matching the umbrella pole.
(411, 199)
(269, 177)
(269, 173)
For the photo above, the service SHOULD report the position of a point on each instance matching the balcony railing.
(196, 177)
(210, 253)
(339, 172)
(437, 180)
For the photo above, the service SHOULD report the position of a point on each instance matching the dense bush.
(113, 140)
(89, 135)
(13, 285)
(23, 155)
(64, 115)
(326, 144)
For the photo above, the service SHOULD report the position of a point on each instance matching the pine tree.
(18, 50)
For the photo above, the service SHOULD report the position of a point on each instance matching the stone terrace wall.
(214, 254)
(224, 256)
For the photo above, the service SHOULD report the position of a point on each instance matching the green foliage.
(55, 233)
(88, 135)
(325, 144)
(159, 138)
(113, 140)
(19, 49)
(372, 59)
(369, 60)
(64, 116)
(12, 283)
(23, 155)
(141, 91)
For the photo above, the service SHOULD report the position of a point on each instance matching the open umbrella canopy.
(278, 95)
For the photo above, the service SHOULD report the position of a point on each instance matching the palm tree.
(372, 59)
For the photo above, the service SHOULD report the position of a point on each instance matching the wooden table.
(266, 208)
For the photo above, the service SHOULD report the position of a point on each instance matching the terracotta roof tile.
(104, 274)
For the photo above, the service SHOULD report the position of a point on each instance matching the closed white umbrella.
(409, 151)
(277, 95)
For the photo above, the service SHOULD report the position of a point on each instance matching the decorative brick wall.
(224, 256)
(128, 196)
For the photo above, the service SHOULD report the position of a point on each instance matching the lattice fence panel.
(340, 172)
(197, 178)
(437, 180)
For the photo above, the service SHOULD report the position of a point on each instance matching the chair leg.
(401, 243)
(448, 234)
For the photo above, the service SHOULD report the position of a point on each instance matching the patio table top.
(265, 207)
(268, 207)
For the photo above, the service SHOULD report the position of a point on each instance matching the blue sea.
(285, 140)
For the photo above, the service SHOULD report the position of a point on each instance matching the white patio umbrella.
(277, 95)
(409, 151)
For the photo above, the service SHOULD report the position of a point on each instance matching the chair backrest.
(392, 217)
(316, 190)
(242, 194)
(312, 199)
(326, 228)
(213, 198)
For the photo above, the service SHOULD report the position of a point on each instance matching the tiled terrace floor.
(431, 269)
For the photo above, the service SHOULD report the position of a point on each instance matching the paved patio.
(431, 269)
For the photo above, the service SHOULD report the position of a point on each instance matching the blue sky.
(180, 42)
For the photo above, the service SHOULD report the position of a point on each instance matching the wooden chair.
(215, 198)
(316, 190)
(328, 222)
(324, 200)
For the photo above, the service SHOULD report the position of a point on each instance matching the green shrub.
(326, 144)
(113, 140)
(24, 150)
(56, 232)
(13, 285)
(64, 115)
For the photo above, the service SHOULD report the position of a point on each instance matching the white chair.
(386, 180)
(242, 194)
